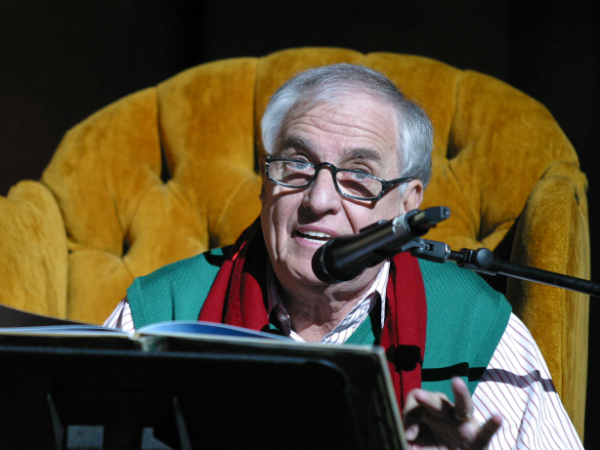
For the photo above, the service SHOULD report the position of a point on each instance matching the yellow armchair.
(171, 171)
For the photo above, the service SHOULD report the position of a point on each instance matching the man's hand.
(433, 422)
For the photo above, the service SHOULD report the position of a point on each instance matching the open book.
(16, 322)
(180, 329)
(193, 377)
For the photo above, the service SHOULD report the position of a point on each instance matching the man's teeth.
(316, 236)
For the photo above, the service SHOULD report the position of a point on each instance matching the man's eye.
(359, 175)
(297, 165)
(355, 177)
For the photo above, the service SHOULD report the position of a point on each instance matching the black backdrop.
(62, 60)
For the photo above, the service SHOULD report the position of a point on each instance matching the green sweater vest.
(465, 317)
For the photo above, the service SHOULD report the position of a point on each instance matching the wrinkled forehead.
(339, 96)
(362, 123)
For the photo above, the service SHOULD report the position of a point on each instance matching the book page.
(192, 329)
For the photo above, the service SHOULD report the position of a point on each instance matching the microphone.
(343, 258)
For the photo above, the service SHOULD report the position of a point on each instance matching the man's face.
(357, 133)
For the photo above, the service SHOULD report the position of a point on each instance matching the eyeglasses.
(350, 183)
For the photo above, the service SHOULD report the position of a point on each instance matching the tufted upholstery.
(171, 171)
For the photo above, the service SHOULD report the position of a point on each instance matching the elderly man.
(346, 149)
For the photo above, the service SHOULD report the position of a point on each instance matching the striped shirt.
(516, 384)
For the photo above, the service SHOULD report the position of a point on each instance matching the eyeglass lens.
(298, 174)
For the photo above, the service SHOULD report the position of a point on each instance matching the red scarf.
(239, 294)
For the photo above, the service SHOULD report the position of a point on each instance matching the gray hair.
(328, 83)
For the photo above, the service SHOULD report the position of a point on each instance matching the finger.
(463, 404)
(411, 414)
(486, 432)
(412, 432)
(410, 402)
(434, 403)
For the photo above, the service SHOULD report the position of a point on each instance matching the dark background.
(60, 61)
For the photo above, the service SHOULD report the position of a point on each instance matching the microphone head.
(319, 267)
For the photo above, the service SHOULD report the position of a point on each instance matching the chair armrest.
(33, 251)
(553, 234)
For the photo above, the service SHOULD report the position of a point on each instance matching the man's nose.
(321, 196)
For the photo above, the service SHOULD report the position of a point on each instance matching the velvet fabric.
(171, 171)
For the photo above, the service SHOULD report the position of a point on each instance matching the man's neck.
(312, 320)
(314, 315)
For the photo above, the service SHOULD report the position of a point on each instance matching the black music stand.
(195, 393)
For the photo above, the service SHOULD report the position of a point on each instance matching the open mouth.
(314, 236)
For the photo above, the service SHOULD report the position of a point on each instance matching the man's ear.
(263, 176)
(413, 195)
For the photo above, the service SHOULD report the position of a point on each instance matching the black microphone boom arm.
(345, 257)
(484, 261)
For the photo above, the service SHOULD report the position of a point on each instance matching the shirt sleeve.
(121, 317)
(518, 386)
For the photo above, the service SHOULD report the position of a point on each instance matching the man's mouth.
(315, 236)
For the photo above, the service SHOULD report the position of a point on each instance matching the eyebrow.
(297, 142)
(366, 153)
(300, 143)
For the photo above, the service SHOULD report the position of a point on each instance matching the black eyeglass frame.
(386, 185)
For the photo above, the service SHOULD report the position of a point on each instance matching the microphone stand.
(484, 261)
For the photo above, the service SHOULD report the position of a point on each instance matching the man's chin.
(301, 275)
